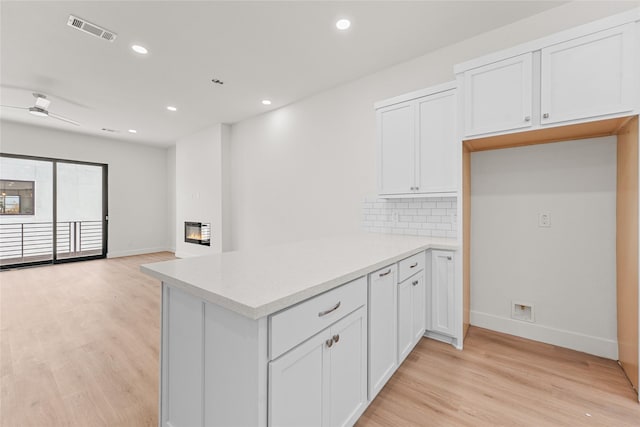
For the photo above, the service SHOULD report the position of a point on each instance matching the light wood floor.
(79, 346)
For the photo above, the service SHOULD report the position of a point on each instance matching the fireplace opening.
(197, 232)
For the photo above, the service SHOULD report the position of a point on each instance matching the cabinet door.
(436, 158)
(442, 297)
(382, 328)
(296, 382)
(396, 131)
(405, 323)
(498, 96)
(418, 302)
(347, 394)
(589, 76)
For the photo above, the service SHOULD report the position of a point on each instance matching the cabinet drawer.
(292, 326)
(410, 266)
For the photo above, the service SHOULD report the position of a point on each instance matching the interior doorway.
(51, 210)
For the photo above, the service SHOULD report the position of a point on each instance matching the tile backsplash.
(434, 216)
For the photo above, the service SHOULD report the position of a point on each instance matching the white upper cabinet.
(417, 143)
(582, 74)
(396, 128)
(436, 143)
(498, 96)
(587, 77)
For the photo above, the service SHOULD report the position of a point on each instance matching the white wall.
(199, 188)
(567, 271)
(137, 181)
(304, 170)
(171, 197)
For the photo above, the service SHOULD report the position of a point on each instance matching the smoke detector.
(89, 28)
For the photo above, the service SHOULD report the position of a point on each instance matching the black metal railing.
(25, 242)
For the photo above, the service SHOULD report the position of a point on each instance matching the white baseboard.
(562, 338)
(118, 254)
(442, 338)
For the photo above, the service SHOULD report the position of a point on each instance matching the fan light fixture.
(37, 111)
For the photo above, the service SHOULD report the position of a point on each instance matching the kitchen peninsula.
(300, 333)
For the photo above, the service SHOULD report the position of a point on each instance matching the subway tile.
(439, 233)
(443, 205)
(438, 212)
(434, 219)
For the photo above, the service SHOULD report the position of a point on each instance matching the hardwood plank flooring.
(502, 380)
(79, 346)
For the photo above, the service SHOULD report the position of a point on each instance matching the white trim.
(118, 254)
(563, 36)
(416, 94)
(442, 338)
(417, 195)
(574, 340)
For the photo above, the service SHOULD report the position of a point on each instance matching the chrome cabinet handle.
(415, 282)
(527, 118)
(329, 342)
(336, 338)
(385, 273)
(545, 115)
(325, 312)
(414, 265)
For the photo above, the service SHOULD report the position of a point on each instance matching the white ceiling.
(283, 51)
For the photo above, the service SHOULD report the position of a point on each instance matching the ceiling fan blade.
(13, 106)
(42, 102)
(64, 119)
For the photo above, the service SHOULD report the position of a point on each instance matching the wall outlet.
(544, 219)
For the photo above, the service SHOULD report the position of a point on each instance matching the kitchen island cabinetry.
(278, 336)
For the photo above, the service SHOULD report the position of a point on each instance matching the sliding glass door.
(51, 211)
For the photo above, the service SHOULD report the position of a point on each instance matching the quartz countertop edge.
(166, 272)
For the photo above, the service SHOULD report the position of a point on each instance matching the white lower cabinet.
(383, 357)
(323, 381)
(411, 314)
(441, 293)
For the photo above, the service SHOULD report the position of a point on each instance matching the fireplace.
(197, 232)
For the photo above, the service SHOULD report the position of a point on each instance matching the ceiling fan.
(40, 109)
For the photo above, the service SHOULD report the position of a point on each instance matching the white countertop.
(259, 282)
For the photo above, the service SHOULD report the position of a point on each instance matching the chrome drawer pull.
(414, 265)
(385, 273)
(334, 308)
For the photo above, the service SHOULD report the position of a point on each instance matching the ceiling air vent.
(89, 28)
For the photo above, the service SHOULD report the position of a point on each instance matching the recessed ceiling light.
(266, 102)
(172, 108)
(139, 49)
(133, 131)
(343, 24)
